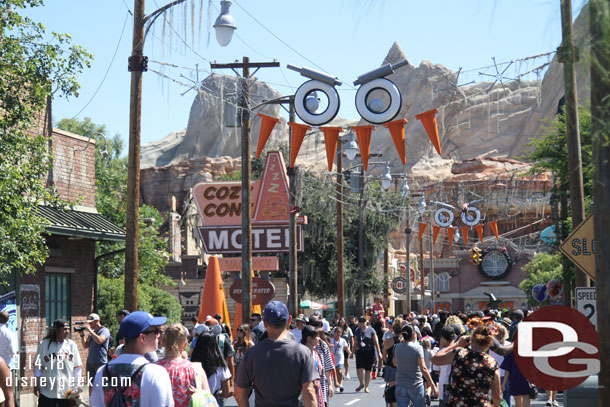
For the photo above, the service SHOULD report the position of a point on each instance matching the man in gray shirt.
(278, 368)
(411, 370)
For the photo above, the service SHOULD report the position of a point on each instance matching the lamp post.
(421, 209)
(404, 192)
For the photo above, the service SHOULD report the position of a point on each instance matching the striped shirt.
(327, 362)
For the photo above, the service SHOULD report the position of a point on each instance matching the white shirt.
(217, 378)
(8, 345)
(155, 387)
(298, 334)
(325, 325)
(54, 364)
(337, 348)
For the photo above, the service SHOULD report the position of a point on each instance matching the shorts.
(345, 354)
(92, 368)
(365, 359)
(340, 366)
(389, 373)
(47, 402)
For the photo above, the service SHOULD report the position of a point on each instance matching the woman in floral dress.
(473, 373)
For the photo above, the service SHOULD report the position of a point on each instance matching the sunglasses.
(156, 331)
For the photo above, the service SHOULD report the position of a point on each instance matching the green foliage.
(33, 64)
(542, 268)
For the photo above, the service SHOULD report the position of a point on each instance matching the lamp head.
(421, 206)
(225, 24)
(351, 148)
(386, 179)
(404, 189)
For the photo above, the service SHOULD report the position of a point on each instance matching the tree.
(542, 268)
(111, 182)
(34, 64)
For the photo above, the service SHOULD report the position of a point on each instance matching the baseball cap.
(60, 323)
(518, 312)
(93, 317)
(137, 322)
(276, 312)
(216, 329)
(408, 329)
(506, 322)
(301, 318)
(123, 312)
(201, 328)
(448, 332)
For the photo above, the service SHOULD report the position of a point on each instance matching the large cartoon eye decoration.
(308, 103)
(471, 216)
(443, 217)
(373, 85)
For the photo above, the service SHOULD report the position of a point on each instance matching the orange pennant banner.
(298, 135)
(464, 230)
(331, 137)
(494, 228)
(428, 119)
(363, 133)
(479, 229)
(267, 125)
(422, 228)
(435, 230)
(450, 234)
(397, 130)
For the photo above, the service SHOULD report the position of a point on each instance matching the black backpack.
(118, 399)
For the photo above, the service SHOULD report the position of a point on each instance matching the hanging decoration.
(435, 231)
(373, 110)
(555, 288)
(450, 234)
(471, 216)
(428, 119)
(307, 102)
(479, 229)
(331, 137)
(444, 215)
(298, 135)
(363, 133)
(493, 225)
(397, 130)
(422, 228)
(464, 230)
(267, 125)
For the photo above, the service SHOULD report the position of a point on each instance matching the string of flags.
(480, 229)
(363, 134)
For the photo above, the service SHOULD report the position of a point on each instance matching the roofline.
(73, 232)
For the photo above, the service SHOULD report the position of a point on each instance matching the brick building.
(65, 285)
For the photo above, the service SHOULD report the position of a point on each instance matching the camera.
(79, 328)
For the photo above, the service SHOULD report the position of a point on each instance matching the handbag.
(533, 391)
(389, 394)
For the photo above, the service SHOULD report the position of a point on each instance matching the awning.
(80, 224)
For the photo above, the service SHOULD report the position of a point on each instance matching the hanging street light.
(404, 189)
(351, 148)
(421, 206)
(225, 24)
(386, 179)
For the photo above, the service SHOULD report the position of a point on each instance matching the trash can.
(584, 395)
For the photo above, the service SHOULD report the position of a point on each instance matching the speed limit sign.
(586, 303)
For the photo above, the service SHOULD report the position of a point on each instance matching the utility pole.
(567, 55)
(408, 250)
(361, 204)
(421, 275)
(246, 210)
(340, 276)
(599, 26)
(432, 293)
(292, 221)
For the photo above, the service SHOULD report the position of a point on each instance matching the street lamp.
(386, 179)
(225, 24)
(404, 189)
(351, 148)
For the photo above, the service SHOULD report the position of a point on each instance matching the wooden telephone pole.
(246, 214)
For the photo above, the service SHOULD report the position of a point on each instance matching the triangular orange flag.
(397, 130)
(331, 136)
(479, 229)
(428, 119)
(298, 135)
(422, 228)
(464, 230)
(267, 125)
(435, 230)
(494, 228)
(213, 299)
(363, 133)
(450, 234)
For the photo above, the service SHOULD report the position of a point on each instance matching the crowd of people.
(461, 359)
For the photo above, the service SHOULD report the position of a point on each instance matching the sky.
(345, 38)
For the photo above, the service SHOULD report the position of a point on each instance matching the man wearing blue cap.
(130, 376)
(284, 368)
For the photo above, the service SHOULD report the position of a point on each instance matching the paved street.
(350, 398)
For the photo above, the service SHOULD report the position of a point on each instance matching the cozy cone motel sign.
(219, 205)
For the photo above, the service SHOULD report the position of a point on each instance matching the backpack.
(115, 396)
(365, 344)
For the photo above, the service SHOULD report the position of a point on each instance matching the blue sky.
(342, 37)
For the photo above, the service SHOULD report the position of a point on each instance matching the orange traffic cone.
(422, 228)
(397, 130)
(428, 119)
(464, 230)
(331, 137)
(494, 228)
(450, 234)
(363, 133)
(479, 229)
(435, 231)
(298, 135)
(267, 125)
(213, 300)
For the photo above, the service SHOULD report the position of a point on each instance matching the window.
(442, 282)
(57, 297)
